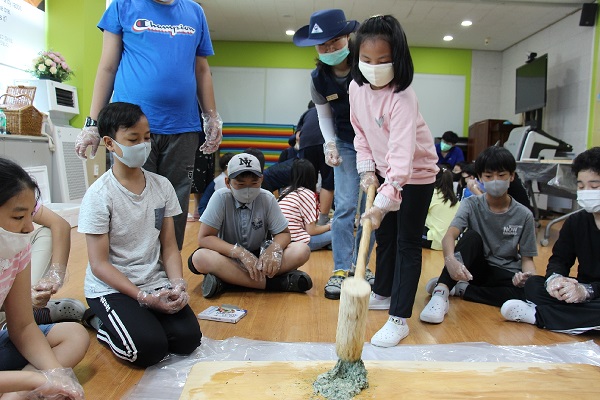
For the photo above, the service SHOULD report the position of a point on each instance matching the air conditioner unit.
(58, 100)
(68, 178)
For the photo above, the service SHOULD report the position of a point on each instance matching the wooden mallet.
(349, 375)
(354, 299)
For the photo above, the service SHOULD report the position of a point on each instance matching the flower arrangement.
(51, 65)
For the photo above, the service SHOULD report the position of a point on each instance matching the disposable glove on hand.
(270, 258)
(247, 262)
(160, 300)
(520, 278)
(566, 289)
(88, 136)
(213, 131)
(457, 270)
(332, 156)
(375, 215)
(367, 179)
(179, 294)
(61, 383)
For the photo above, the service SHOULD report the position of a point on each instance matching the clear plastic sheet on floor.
(166, 380)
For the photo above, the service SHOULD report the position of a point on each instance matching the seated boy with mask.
(244, 238)
(567, 300)
(497, 248)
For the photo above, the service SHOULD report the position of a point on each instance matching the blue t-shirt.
(455, 155)
(157, 67)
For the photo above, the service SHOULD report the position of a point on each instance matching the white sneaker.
(435, 310)
(391, 334)
(518, 311)
(432, 283)
(376, 304)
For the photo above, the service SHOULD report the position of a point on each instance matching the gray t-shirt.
(506, 236)
(225, 214)
(133, 223)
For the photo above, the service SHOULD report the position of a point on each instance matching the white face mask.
(134, 156)
(496, 188)
(589, 200)
(245, 195)
(378, 75)
(12, 243)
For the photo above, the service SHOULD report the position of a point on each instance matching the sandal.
(90, 320)
(65, 310)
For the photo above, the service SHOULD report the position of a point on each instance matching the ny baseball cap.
(241, 163)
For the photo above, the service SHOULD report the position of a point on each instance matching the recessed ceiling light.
(466, 23)
(290, 32)
(448, 38)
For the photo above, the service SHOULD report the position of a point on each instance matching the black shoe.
(294, 281)
(191, 264)
(212, 286)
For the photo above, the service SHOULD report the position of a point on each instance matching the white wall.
(486, 86)
(570, 49)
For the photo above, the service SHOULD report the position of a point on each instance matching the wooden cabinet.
(486, 133)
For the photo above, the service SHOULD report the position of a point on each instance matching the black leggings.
(143, 336)
(490, 285)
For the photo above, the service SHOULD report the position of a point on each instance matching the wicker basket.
(22, 118)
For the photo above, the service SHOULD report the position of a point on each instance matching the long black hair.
(387, 28)
(13, 180)
(302, 175)
(444, 183)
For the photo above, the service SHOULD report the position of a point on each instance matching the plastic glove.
(270, 258)
(88, 136)
(213, 131)
(375, 214)
(160, 300)
(367, 179)
(567, 289)
(179, 292)
(575, 292)
(247, 261)
(332, 156)
(40, 294)
(61, 383)
(554, 284)
(456, 268)
(518, 279)
(55, 276)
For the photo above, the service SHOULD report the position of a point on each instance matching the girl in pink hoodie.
(396, 152)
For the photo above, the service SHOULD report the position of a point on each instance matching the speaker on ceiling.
(588, 14)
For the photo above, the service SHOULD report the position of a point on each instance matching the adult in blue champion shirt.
(154, 54)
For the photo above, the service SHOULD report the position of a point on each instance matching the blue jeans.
(319, 241)
(345, 195)
(10, 358)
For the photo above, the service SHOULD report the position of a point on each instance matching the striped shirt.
(300, 208)
(9, 268)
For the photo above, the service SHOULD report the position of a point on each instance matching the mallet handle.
(365, 239)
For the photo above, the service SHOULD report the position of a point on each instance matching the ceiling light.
(466, 23)
(448, 38)
(290, 32)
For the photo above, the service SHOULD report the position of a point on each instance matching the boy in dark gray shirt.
(494, 256)
(237, 222)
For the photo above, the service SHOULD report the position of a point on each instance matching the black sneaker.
(212, 286)
(294, 281)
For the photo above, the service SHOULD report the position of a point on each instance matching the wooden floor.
(285, 317)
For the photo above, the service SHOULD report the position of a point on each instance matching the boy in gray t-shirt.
(494, 256)
(244, 238)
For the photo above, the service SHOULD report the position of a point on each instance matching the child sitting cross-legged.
(494, 256)
(244, 238)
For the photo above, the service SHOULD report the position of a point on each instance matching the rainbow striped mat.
(271, 139)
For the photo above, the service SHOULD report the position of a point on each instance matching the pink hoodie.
(393, 139)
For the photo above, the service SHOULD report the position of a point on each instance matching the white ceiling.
(500, 23)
